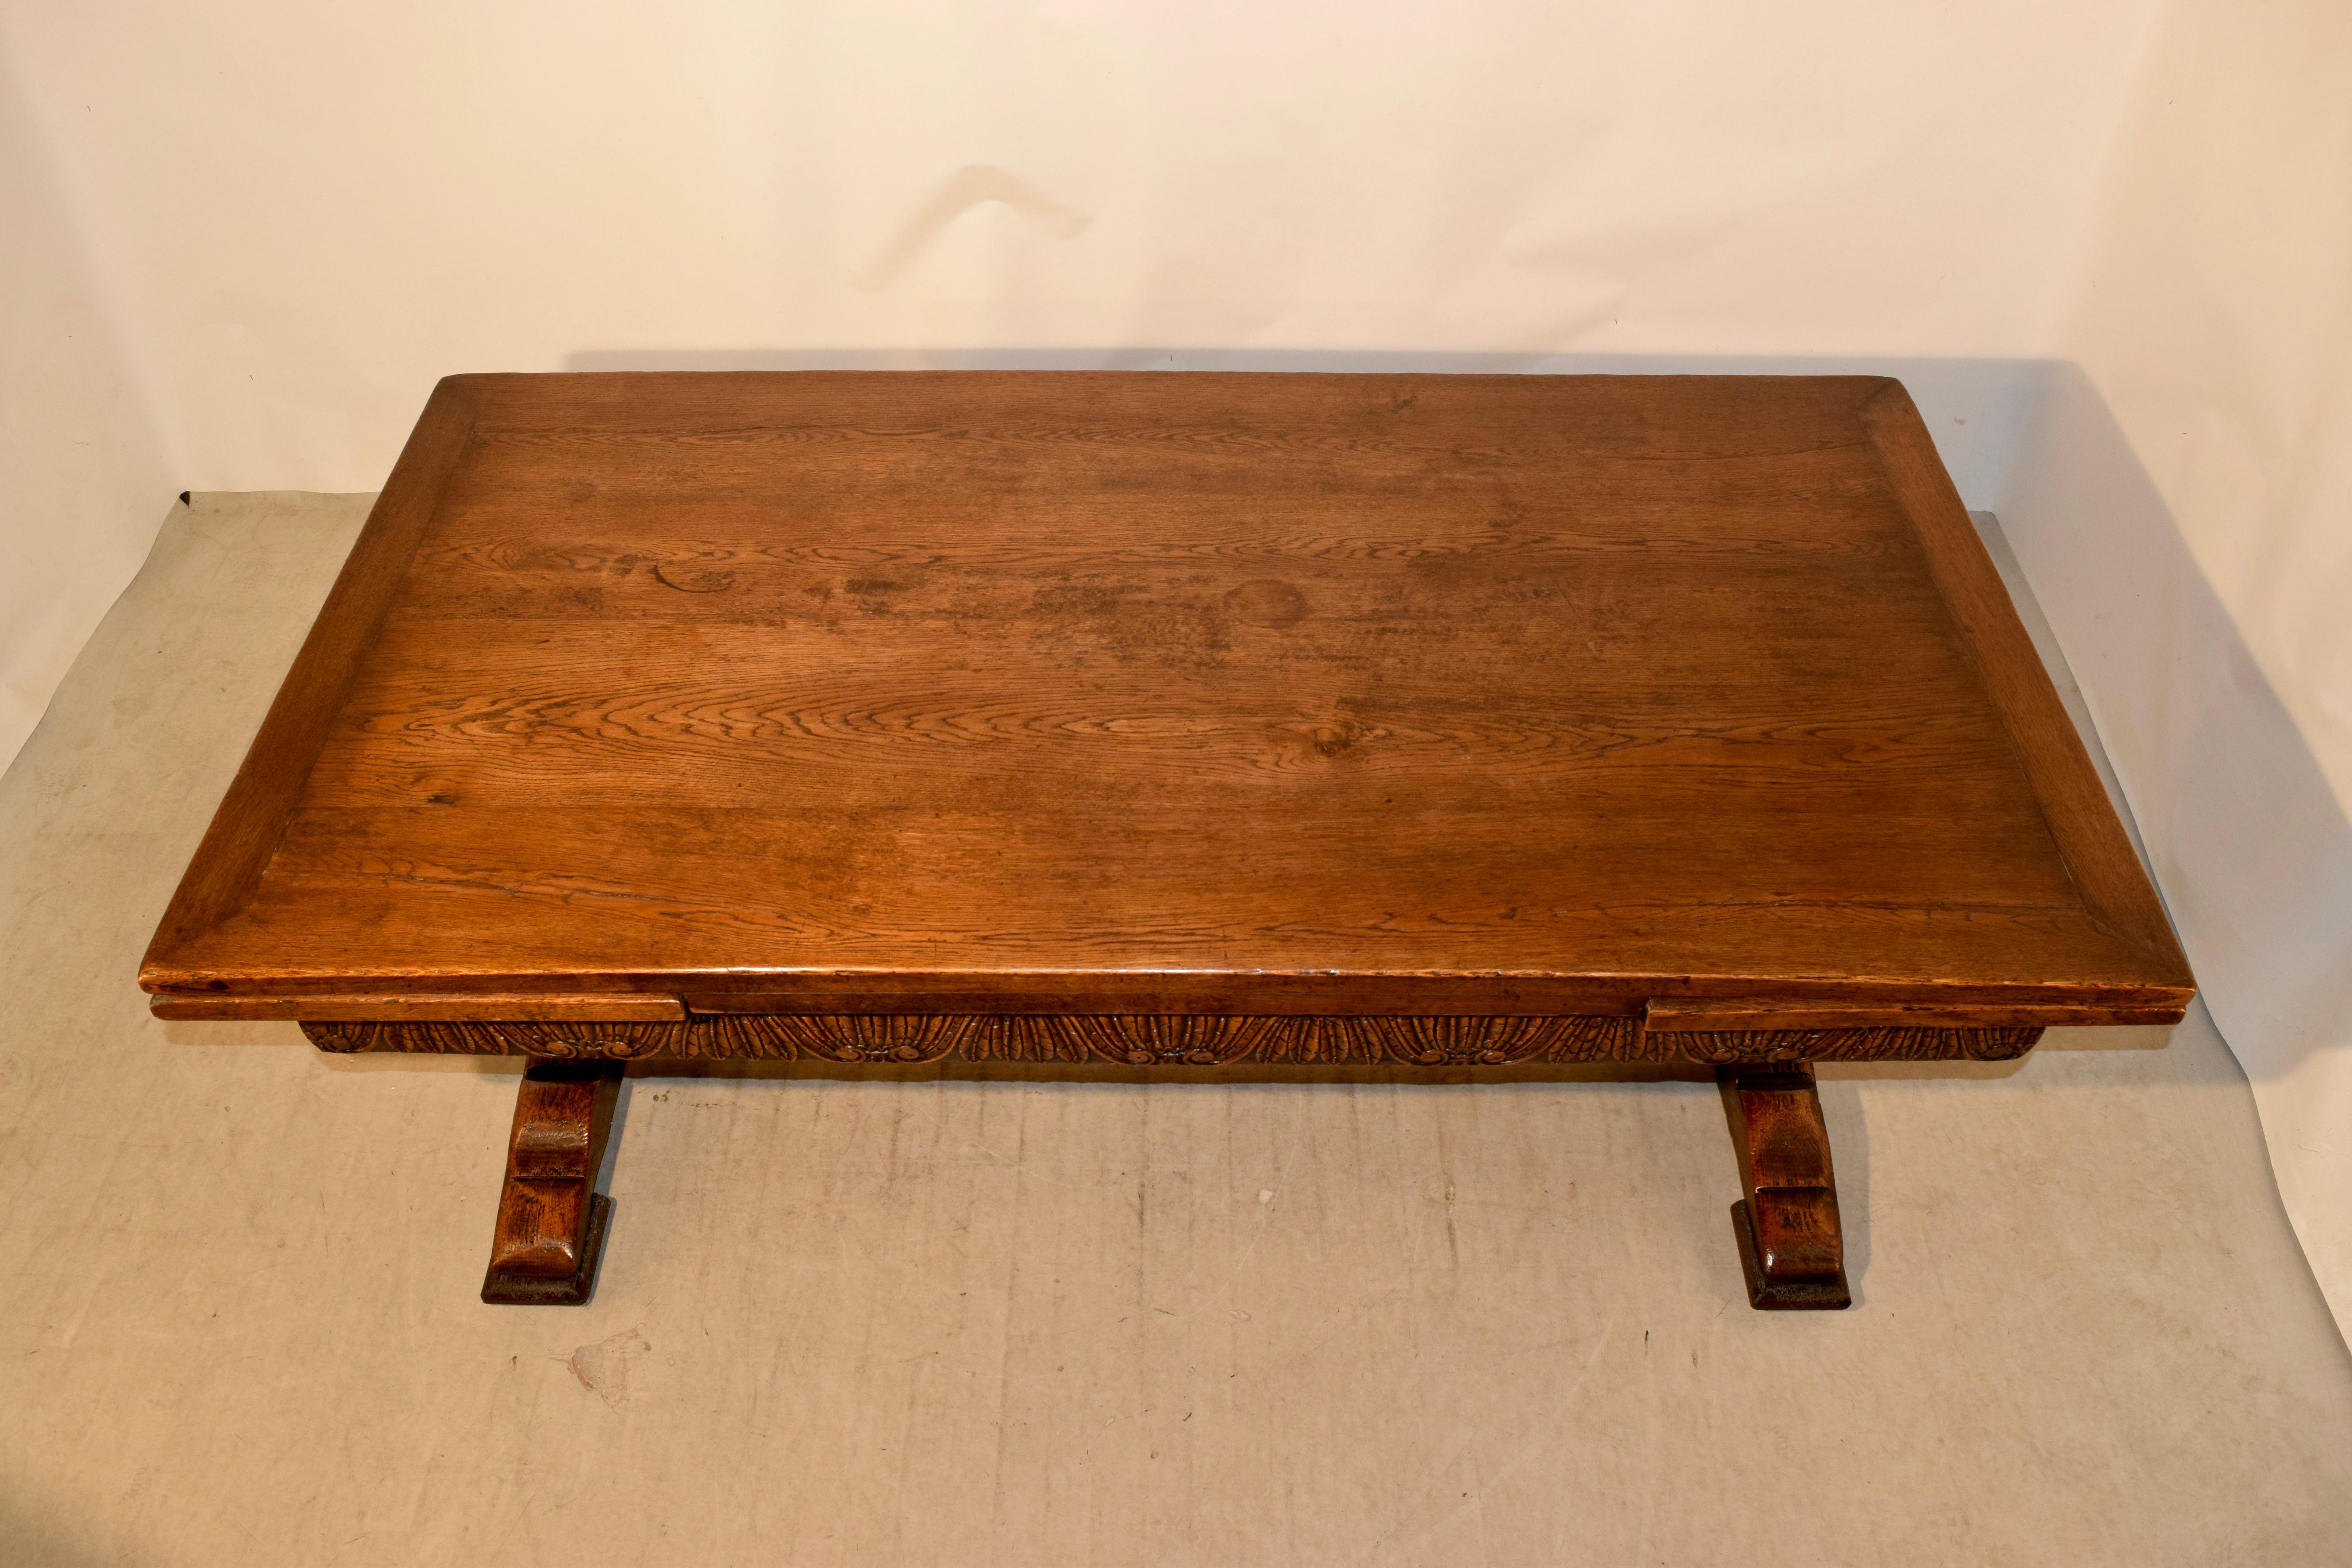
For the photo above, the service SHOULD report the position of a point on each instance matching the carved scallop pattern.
(1203, 1040)
(1192, 1040)
(904, 1038)
(1910, 1044)
(1497, 1042)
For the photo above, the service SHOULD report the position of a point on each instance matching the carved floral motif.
(1187, 1040)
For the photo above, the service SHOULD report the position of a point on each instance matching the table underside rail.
(1188, 1040)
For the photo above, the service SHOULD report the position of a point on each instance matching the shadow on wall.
(2247, 839)
(2249, 845)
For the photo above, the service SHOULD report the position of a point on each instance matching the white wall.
(317, 210)
(83, 478)
(2185, 514)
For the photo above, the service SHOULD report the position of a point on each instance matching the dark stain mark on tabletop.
(692, 579)
(1268, 602)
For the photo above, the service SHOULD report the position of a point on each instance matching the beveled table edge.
(2114, 887)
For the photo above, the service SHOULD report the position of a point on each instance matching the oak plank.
(1122, 691)
(1691, 1016)
(393, 1007)
(2097, 851)
(246, 826)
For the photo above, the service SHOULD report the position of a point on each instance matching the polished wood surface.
(1099, 694)
(551, 1220)
(393, 1007)
(1791, 1244)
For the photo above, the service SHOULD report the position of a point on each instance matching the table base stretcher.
(551, 1222)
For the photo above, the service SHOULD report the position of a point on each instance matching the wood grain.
(2097, 853)
(1688, 1016)
(551, 1221)
(1791, 1242)
(1166, 1040)
(1092, 694)
(392, 1007)
(252, 816)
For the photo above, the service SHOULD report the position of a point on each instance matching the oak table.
(1168, 719)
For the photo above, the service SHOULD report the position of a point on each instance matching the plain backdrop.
(2108, 244)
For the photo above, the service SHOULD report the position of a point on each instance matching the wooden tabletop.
(1157, 692)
